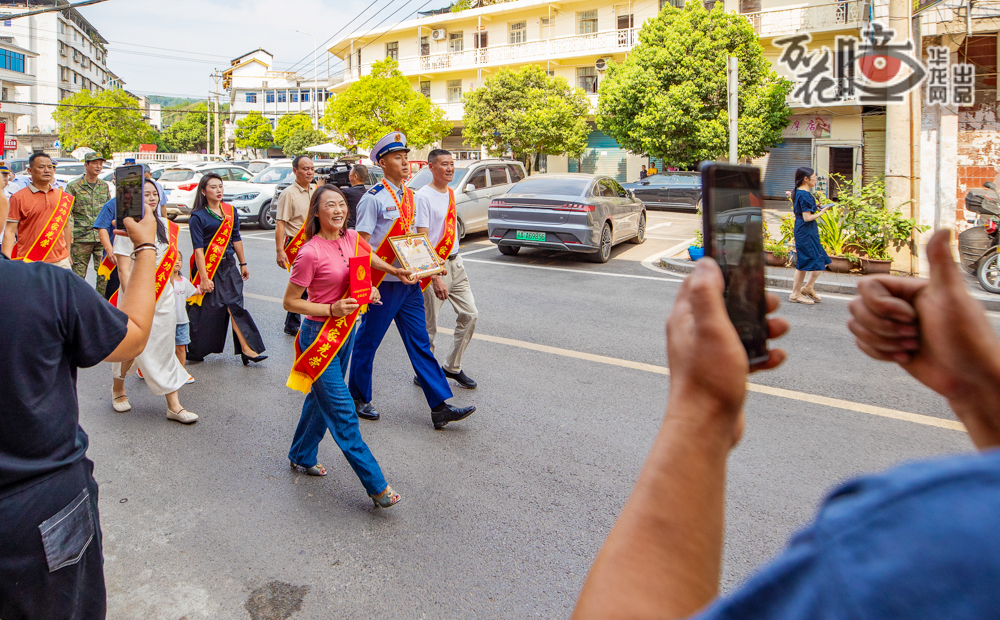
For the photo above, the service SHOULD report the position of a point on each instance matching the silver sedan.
(583, 213)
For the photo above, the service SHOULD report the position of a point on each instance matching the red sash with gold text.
(214, 253)
(400, 227)
(106, 267)
(47, 239)
(294, 245)
(165, 269)
(312, 362)
(446, 245)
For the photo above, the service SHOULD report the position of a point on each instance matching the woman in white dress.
(158, 362)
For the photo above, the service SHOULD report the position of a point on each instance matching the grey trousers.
(460, 296)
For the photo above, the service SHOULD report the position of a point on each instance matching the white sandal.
(183, 416)
(121, 406)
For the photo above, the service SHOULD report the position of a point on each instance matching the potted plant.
(697, 249)
(835, 233)
(775, 251)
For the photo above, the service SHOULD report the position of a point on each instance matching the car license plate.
(527, 235)
(166, 192)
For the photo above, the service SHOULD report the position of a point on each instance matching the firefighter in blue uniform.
(403, 302)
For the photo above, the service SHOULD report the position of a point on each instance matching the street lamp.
(315, 75)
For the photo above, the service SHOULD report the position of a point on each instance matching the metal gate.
(777, 168)
(874, 149)
(602, 156)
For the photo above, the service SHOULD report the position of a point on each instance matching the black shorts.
(51, 562)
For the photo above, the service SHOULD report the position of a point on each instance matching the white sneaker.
(183, 416)
(190, 380)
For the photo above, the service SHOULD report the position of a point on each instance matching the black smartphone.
(733, 217)
(129, 181)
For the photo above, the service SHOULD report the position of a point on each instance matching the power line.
(53, 9)
(345, 26)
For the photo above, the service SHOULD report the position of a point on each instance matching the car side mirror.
(990, 185)
(470, 187)
(628, 193)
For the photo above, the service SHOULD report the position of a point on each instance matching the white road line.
(580, 271)
(489, 247)
(648, 263)
(660, 225)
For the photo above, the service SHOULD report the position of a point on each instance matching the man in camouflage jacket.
(90, 193)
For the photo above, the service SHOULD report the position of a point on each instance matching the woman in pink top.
(321, 266)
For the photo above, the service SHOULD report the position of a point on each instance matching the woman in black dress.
(222, 303)
(809, 253)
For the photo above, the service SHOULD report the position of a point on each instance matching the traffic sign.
(57, 144)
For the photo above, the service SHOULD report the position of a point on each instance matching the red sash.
(106, 267)
(312, 362)
(47, 239)
(401, 226)
(446, 245)
(214, 252)
(165, 270)
(294, 245)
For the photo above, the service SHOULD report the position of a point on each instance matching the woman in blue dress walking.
(809, 252)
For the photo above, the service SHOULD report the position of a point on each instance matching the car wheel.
(268, 217)
(988, 273)
(604, 253)
(509, 250)
(641, 235)
(171, 216)
(461, 229)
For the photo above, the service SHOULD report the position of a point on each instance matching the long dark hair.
(312, 219)
(200, 202)
(161, 228)
(802, 174)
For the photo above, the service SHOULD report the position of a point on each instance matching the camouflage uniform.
(88, 200)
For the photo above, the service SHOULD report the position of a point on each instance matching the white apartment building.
(253, 86)
(71, 55)
(17, 77)
(152, 111)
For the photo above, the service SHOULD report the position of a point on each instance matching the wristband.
(243, 264)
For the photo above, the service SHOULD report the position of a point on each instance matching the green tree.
(253, 131)
(189, 133)
(528, 112)
(668, 98)
(289, 124)
(296, 142)
(107, 122)
(380, 102)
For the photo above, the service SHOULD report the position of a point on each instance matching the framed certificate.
(416, 254)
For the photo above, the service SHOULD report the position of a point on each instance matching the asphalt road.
(502, 514)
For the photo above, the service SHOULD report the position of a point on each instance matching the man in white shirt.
(436, 217)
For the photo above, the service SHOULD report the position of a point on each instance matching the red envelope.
(361, 278)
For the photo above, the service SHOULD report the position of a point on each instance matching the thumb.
(944, 272)
(706, 292)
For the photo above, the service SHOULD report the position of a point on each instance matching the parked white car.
(181, 183)
(68, 169)
(254, 199)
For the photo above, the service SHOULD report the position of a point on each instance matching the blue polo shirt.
(921, 541)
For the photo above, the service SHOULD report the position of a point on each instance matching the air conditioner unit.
(438, 34)
(601, 64)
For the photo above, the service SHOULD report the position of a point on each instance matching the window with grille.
(251, 97)
(294, 96)
(454, 91)
(425, 46)
(425, 89)
(269, 97)
(586, 21)
(518, 32)
(586, 78)
(392, 50)
(455, 42)
(282, 96)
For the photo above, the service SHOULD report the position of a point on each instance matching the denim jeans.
(329, 406)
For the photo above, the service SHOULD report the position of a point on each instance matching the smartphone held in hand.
(733, 220)
(129, 182)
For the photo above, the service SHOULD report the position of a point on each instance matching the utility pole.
(898, 136)
(733, 99)
(315, 91)
(216, 76)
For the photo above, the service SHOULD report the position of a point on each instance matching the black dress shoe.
(416, 381)
(365, 410)
(247, 359)
(292, 332)
(463, 379)
(445, 413)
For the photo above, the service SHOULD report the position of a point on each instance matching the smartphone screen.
(734, 237)
(129, 181)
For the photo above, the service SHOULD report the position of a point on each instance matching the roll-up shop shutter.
(602, 156)
(874, 148)
(454, 142)
(777, 168)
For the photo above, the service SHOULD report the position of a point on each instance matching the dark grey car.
(674, 190)
(583, 213)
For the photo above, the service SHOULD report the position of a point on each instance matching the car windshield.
(177, 174)
(424, 177)
(256, 166)
(274, 174)
(559, 186)
(70, 169)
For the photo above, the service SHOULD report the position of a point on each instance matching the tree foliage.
(253, 131)
(296, 142)
(113, 123)
(189, 134)
(668, 98)
(528, 112)
(289, 124)
(380, 102)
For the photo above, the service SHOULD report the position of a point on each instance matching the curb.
(990, 302)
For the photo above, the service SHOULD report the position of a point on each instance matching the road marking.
(489, 247)
(805, 397)
(660, 225)
(581, 271)
(648, 262)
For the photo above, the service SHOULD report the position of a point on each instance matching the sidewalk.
(829, 282)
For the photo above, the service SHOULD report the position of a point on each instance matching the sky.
(171, 47)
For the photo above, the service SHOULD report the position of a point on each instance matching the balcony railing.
(607, 42)
(833, 16)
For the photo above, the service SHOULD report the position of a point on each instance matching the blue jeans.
(329, 406)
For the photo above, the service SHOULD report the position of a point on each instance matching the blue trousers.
(403, 303)
(329, 406)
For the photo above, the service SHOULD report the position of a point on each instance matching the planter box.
(696, 253)
(871, 265)
(771, 260)
(840, 264)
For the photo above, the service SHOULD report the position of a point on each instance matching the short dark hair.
(298, 158)
(36, 155)
(360, 171)
(433, 156)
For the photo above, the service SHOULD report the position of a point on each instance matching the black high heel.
(247, 359)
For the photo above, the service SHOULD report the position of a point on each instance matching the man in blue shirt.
(918, 541)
